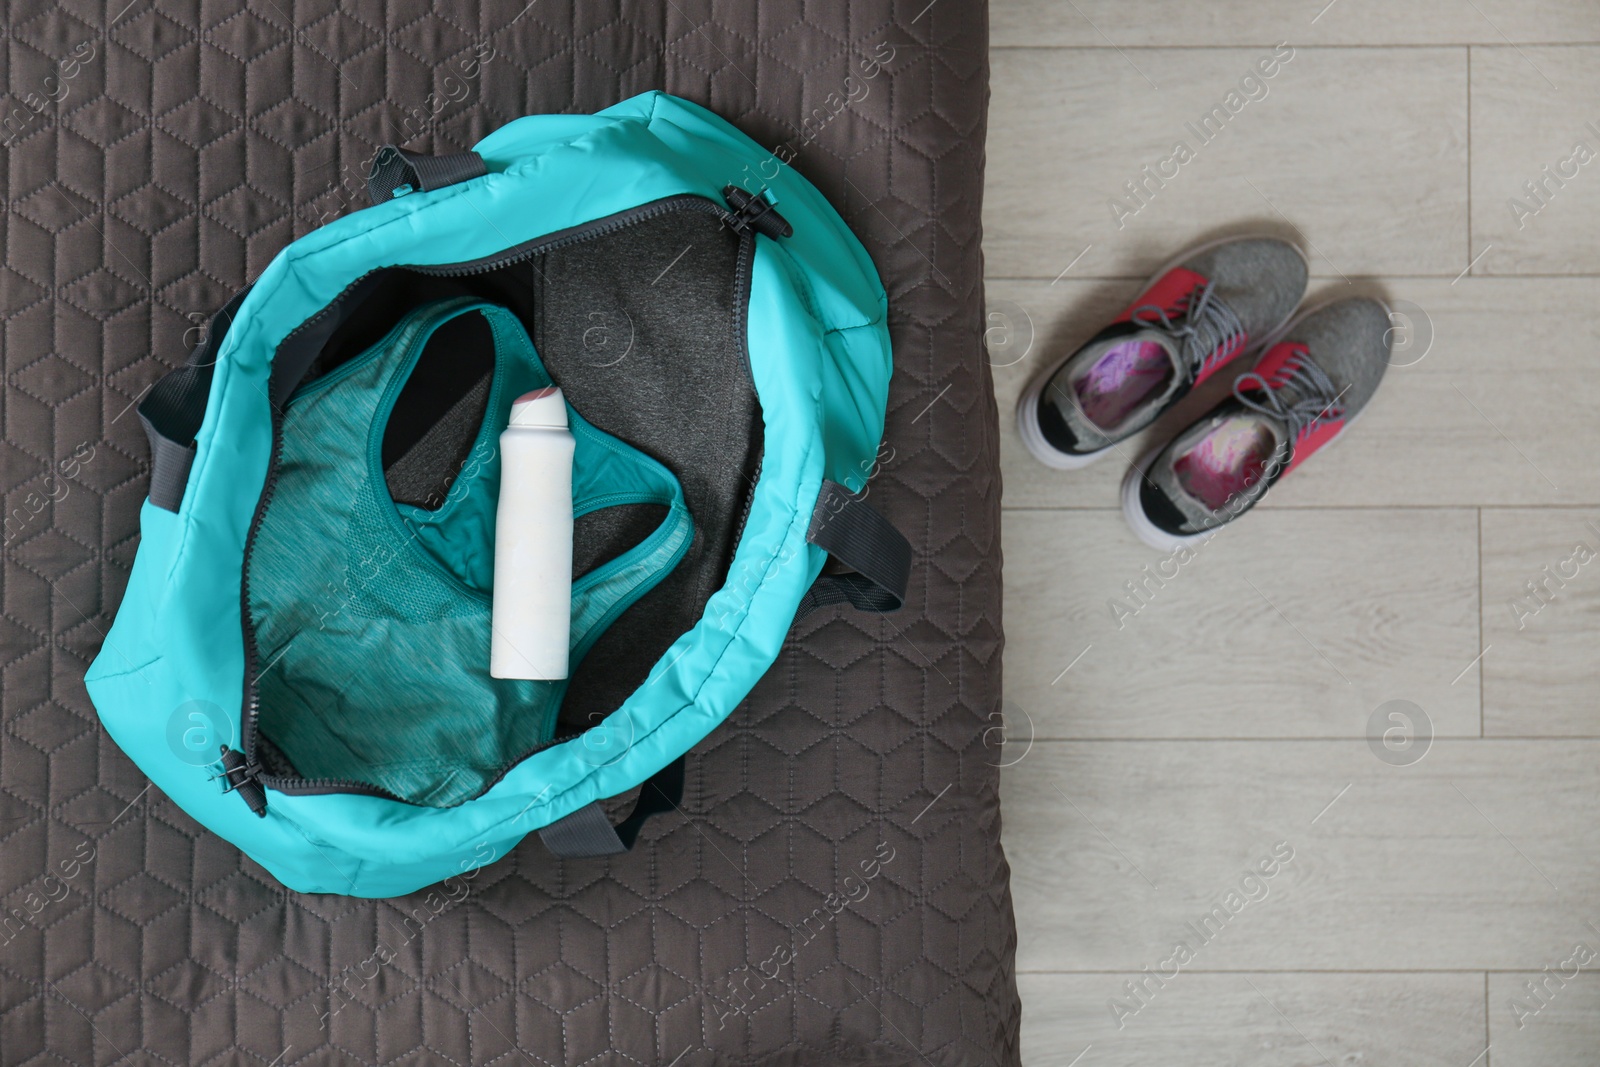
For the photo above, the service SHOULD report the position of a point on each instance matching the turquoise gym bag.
(300, 660)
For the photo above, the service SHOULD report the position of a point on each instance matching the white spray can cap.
(541, 408)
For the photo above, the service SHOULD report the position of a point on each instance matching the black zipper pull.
(753, 211)
(243, 778)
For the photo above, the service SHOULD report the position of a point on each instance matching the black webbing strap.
(587, 832)
(394, 168)
(854, 534)
(172, 411)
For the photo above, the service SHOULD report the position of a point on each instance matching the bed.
(138, 205)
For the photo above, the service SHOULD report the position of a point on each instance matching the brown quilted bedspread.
(154, 163)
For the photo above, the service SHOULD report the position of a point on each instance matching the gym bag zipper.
(241, 768)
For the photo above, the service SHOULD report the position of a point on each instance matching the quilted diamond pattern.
(834, 889)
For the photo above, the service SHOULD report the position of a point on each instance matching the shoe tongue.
(1093, 389)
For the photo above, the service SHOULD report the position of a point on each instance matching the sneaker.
(1306, 390)
(1188, 322)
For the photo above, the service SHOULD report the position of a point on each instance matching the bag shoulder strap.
(587, 833)
(396, 171)
(172, 411)
(857, 536)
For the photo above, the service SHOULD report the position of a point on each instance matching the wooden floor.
(1239, 715)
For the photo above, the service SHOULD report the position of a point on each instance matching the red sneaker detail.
(1274, 368)
(1166, 294)
(1169, 293)
(1223, 358)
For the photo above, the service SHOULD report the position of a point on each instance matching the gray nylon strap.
(173, 409)
(587, 832)
(169, 467)
(854, 534)
(394, 168)
(583, 834)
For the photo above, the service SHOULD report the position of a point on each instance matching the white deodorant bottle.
(532, 609)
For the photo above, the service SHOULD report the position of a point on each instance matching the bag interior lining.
(643, 329)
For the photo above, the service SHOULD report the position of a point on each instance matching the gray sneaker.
(1306, 390)
(1196, 315)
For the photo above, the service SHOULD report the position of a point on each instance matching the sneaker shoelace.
(1205, 328)
(1315, 397)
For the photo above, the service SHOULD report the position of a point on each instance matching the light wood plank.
(1296, 623)
(1558, 1028)
(1255, 1020)
(1534, 108)
(1500, 410)
(1127, 23)
(1482, 855)
(1069, 127)
(1116, 846)
(1539, 675)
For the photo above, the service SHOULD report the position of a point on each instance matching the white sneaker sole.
(1028, 403)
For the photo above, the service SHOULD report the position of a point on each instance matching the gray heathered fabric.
(1350, 340)
(667, 376)
(1260, 278)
